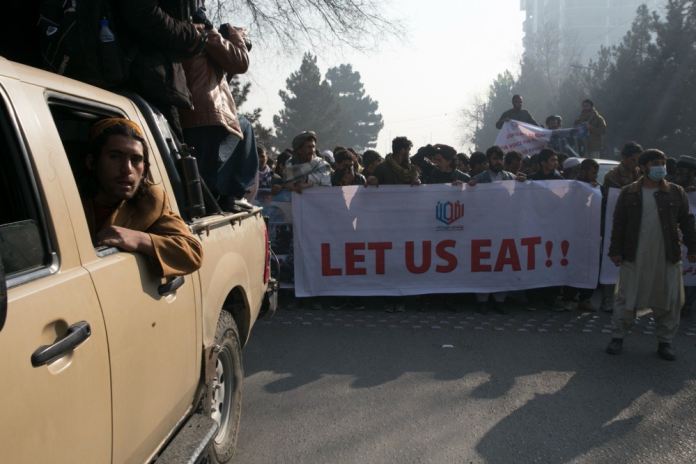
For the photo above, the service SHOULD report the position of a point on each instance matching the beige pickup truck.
(102, 360)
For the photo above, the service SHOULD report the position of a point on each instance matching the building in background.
(583, 26)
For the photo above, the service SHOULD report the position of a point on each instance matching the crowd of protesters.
(647, 250)
(182, 64)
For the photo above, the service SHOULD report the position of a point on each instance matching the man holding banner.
(645, 243)
(305, 169)
(516, 113)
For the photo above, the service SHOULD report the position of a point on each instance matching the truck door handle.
(77, 333)
(171, 286)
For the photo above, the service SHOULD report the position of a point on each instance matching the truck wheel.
(226, 401)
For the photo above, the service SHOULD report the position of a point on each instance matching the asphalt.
(364, 386)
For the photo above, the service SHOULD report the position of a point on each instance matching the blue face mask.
(657, 173)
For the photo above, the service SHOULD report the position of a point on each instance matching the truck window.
(74, 121)
(24, 243)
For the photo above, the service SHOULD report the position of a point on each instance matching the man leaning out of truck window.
(125, 209)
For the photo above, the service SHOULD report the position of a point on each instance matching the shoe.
(666, 352)
(606, 309)
(390, 309)
(615, 346)
(399, 308)
(243, 205)
(234, 205)
(585, 306)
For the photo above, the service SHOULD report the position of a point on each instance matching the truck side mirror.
(3, 296)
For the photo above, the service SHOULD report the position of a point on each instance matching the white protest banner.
(400, 240)
(522, 137)
(609, 273)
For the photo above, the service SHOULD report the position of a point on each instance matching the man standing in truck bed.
(516, 113)
(125, 209)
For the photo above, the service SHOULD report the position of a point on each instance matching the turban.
(102, 125)
(300, 140)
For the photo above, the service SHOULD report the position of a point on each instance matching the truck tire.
(226, 398)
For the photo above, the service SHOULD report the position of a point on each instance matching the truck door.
(55, 394)
(152, 332)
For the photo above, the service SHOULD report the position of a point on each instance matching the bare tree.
(472, 119)
(356, 23)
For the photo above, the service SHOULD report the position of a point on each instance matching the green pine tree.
(360, 123)
(484, 115)
(310, 104)
(643, 86)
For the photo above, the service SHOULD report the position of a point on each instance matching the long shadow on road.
(551, 397)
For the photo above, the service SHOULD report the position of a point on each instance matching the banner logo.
(448, 213)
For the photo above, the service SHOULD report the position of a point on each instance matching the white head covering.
(328, 156)
(571, 162)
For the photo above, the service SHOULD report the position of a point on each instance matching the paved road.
(348, 386)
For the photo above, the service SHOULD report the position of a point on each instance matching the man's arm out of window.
(177, 251)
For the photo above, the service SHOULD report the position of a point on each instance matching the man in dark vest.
(516, 113)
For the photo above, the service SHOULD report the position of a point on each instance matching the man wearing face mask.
(645, 243)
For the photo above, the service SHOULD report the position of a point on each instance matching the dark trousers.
(227, 165)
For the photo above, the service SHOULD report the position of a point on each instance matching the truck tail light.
(267, 267)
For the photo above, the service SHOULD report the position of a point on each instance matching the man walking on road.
(516, 113)
(645, 243)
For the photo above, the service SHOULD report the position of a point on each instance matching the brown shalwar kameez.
(177, 251)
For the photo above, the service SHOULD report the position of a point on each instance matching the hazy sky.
(452, 52)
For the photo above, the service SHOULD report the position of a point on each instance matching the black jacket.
(161, 34)
(521, 115)
(673, 210)
(539, 175)
(160, 25)
(430, 174)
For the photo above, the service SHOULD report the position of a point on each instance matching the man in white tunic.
(646, 243)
